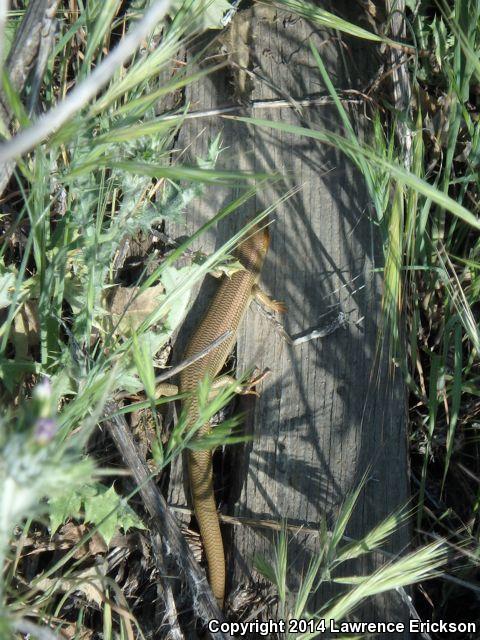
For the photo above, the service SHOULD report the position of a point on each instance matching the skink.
(225, 313)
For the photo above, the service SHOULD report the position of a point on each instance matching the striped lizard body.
(225, 313)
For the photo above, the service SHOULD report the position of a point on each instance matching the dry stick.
(174, 631)
(3, 21)
(402, 97)
(47, 43)
(307, 101)
(37, 24)
(86, 90)
(163, 522)
(402, 90)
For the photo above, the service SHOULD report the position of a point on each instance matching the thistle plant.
(36, 463)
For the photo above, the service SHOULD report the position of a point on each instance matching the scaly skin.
(224, 314)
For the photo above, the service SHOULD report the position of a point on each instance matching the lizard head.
(251, 252)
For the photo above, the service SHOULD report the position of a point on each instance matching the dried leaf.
(128, 308)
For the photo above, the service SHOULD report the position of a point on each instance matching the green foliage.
(425, 251)
(35, 464)
(322, 18)
(206, 14)
(104, 178)
(108, 512)
(65, 506)
(421, 171)
(7, 283)
(109, 175)
(98, 505)
(417, 566)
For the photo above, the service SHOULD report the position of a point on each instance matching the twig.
(307, 528)
(402, 90)
(23, 53)
(312, 334)
(321, 332)
(3, 21)
(295, 527)
(173, 544)
(46, 46)
(312, 101)
(228, 17)
(83, 93)
(414, 615)
(174, 631)
(307, 101)
(36, 25)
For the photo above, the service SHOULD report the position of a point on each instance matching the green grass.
(427, 209)
(106, 175)
(103, 170)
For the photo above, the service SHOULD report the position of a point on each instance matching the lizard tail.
(201, 483)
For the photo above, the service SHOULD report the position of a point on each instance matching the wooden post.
(333, 407)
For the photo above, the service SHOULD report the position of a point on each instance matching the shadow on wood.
(331, 408)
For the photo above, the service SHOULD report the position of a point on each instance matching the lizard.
(224, 314)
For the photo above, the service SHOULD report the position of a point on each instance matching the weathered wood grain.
(331, 408)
